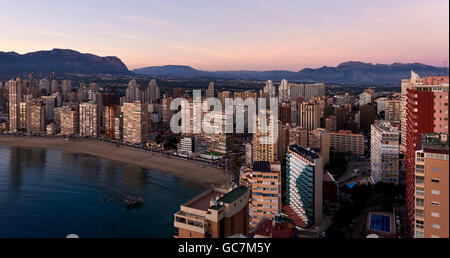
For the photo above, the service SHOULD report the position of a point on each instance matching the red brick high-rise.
(426, 112)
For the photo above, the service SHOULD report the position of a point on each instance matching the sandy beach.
(191, 171)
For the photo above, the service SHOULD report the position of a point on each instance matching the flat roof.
(433, 143)
(304, 152)
(279, 230)
(202, 203)
(233, 195)
(261, 166)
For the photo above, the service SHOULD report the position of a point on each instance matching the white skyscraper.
(384, 153)
(270, 90)
(365, 98)
(284, 91)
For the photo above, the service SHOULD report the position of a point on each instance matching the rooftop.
(435, 143)
(304, 152)
(203, 202)
(327, 177)
(279, 230)
(261, 166)
(386, 126)
(294, 217)
(345, 132)
(233, 195)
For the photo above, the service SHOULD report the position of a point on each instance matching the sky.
(233, 34)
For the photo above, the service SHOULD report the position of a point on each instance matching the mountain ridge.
(67, 61)
(346, 72)
(61, 61)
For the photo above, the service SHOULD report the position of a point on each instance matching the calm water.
(50, 193)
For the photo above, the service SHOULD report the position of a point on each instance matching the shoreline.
(191, 171)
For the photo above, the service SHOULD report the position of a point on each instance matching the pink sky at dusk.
(234, 35)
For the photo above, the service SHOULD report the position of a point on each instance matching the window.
(419, 224)
(420, 192)
(435, 214)
(435, 192)
(436, 226)
(435, 203)
(419, 234)
(435, 169)
(419, 202)
(419, 213)
(434, 180)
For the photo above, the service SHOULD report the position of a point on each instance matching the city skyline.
(253, 35)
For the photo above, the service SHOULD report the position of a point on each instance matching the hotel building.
(219, 141)
(320, 139)
(299, 136)
(345, 141)
(118, 127)
(135, 122)
(304, 184)
(384, 153)
(50, 104)
(23, 115)
(210, 90)
(69, 121)
(215, 213)
(110, 114)
(309, 115)
(265, 140)
(187, 145)
(393, 110)
(266, 191)
(284, 91)
(15, 97)
(89, 119)
(431, 214)
(426, 112)
(36, 118)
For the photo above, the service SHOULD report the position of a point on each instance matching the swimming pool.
(380, 223)
(351, 185)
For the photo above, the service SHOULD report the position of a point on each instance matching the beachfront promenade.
(190, 168)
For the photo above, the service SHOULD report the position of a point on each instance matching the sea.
(51, 194)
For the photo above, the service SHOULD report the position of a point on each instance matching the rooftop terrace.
(202, 201)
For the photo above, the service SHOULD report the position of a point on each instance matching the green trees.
(381, 196)
(337, 164)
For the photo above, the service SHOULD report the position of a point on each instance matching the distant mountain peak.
(59, 60)
(346, 72)
(367, 73)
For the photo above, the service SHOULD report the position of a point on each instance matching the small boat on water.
(133, 202)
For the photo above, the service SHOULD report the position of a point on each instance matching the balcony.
(190, 222)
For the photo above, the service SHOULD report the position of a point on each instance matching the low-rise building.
(345, 141)
(215, 213)
(275, 228)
